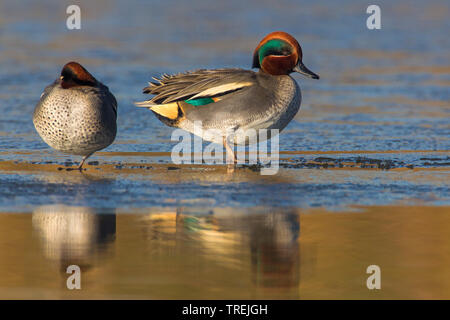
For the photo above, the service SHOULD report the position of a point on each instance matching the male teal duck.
(231, 99)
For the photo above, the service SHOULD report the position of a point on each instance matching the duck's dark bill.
(300, 68)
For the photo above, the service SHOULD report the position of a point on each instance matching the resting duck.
(76, 114)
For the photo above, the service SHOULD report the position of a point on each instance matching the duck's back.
(270, 102)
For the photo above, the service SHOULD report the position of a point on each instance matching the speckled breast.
(77, 121)
(285, 105)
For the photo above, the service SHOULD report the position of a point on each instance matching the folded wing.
(197, 85)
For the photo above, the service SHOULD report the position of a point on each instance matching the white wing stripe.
(221, 89)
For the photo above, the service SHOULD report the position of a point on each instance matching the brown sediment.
(100, 153)
(365, 152)
(128, 167)
(306, 152)
(165, 173)
(292, 168)
(168, 154)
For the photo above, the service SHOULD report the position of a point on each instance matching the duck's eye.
(66, 75)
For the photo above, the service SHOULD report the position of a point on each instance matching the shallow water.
(225, 253)
(363, 175)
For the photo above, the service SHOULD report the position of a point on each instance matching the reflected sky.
(225, 253)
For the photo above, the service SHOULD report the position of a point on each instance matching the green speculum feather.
(200, 102)
(275, 47)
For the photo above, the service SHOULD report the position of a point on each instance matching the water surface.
(364, 166)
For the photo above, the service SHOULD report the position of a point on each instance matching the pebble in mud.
(323, 159)
(255, 167)
(70, 169)
(436, 164)
(141, 167)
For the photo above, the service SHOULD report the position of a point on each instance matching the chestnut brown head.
(74, 74)
(280, 54)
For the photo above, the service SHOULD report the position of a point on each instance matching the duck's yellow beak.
(300, 68)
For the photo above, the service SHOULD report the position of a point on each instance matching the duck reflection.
(275, 254)
(74, 235)
(264, 244)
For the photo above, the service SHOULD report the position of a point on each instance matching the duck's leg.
(83, 160)
(231, 156)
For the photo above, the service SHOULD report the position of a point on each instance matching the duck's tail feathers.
(169, 110)
(145, 104)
